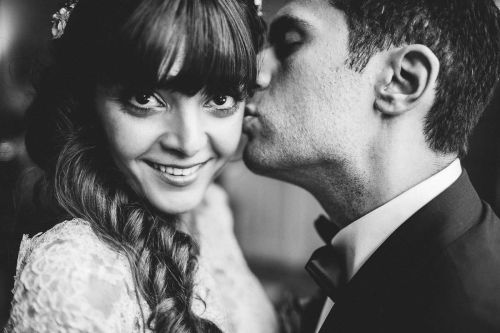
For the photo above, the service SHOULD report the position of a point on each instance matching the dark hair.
(464, 35)
(135, 43)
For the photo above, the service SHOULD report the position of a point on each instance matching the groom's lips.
(251, 110)
(251, 118)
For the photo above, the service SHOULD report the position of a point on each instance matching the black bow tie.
(326, 266)
(325, 228)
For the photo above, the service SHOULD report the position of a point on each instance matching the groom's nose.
(267, 64)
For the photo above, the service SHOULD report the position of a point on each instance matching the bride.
(139, 111)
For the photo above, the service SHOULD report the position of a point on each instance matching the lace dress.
(68, 280)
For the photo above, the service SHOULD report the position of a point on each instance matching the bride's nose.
(185, 132)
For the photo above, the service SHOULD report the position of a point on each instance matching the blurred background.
(273, 220)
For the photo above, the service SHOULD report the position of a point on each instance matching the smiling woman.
(138, 113)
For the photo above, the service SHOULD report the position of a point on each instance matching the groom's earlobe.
(408, 79)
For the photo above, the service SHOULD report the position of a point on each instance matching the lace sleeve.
(68, 286)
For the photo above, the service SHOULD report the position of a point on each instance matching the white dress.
(68, 280)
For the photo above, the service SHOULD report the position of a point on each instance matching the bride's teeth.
(176, 171)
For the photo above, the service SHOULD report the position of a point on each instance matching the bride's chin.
(175, 203)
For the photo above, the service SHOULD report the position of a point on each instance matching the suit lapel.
(397, 271)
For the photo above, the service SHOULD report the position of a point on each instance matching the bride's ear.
(408, 78)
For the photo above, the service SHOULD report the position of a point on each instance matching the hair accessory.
(61, 17)
(258, 4)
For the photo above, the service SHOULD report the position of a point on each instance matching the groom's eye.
(286, 35)
(288, 43)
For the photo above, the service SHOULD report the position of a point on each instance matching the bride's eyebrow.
(284, 24)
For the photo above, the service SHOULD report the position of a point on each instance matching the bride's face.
(168, 145)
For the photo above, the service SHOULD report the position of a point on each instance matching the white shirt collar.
(360, 239)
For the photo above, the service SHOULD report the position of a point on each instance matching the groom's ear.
(409, 77)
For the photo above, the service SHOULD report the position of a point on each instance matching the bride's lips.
(178, 175)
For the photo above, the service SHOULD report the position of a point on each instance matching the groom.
(368, 105)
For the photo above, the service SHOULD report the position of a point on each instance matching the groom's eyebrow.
(286, 23)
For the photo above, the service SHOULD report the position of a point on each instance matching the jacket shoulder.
(466, 277)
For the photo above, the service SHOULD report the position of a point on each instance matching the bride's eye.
(146, 101)
(143, 103)
(222, 105)
(222, 101)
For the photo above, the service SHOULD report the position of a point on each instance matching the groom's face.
(311, 108)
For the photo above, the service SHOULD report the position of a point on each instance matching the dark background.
(271, 218)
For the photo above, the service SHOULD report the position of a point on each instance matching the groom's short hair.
(465, 37)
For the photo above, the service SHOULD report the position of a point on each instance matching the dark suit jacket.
(438, 272)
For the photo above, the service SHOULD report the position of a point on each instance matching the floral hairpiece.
(61, 17)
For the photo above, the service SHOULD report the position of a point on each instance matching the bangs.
(185, 46)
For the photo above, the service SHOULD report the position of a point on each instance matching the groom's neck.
(348, 195)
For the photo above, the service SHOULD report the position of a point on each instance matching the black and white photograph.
(250, 166)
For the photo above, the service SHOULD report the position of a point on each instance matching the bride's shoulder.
(69, 239)
(69, 273)
(77, 230)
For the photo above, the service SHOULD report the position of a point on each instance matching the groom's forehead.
(316, 18)
(297, 6)
(313, 12)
